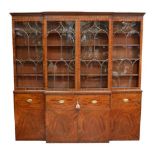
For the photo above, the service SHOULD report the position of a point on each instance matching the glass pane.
(61, 54)
(28, 46)
(126, 43)
(94, 54)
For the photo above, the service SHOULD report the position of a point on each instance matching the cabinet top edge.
(78, 13)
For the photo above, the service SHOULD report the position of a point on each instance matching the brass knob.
(94, 101)
(29, 100)
(125, 100)
(61, 101)
(77, 105)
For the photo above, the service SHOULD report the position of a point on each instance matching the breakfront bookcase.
(77, 76)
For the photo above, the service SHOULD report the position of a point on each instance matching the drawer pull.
(94, 101)
(125, 100)
(61, 101)
(77, 106)
(29, 100)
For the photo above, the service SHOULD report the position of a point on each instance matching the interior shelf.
(58, 45)
(126, 45)
(125, 75)
(130, 59)
(29, 75)
(61, 75)
(99, 45)
(96, 75)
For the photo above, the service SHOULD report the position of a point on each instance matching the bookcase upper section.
(77, 50)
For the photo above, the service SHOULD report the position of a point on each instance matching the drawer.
(29, 100)
(60, 101)
(126, 98)
(94, 100)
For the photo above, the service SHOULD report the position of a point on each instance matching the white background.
(8, 145)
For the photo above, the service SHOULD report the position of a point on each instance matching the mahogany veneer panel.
(125, 116)
(29, 117)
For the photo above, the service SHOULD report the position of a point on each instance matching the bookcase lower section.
(77, 117)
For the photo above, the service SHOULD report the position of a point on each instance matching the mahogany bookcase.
(77, 76)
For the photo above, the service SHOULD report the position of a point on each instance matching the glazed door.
(126, 54)
(28, 54)
(61, 119)
(94, 54)
(61, 55)
(93, 119)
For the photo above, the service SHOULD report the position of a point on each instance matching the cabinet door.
(94, 54)
(125, 116)
(61, 119)
(61, 54)
(93, 120)
(126, 54)
(29, 116)
(28, 57)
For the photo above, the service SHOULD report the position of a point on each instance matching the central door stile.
(77, 55)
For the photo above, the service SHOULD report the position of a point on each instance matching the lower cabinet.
(29, 116)
(125, 116)
(77, 118)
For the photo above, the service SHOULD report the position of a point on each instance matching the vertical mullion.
(140, 53)
(45, 52)
(77, 55)
(110, 54)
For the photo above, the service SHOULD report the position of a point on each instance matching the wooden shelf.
(29, 88)
(30, 75)
(58, 45)
(124, 87)
(30, 45)
(29, 61)
(124, 45)
(94, 75)
(124, 33)
(120, 59)
(99, 45)
(94, 60)
(50, 74)
(121, 75)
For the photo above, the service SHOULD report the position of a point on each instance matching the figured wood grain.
(61, 119)
(29, 117)
(93, 120)
(125, 117)
(93, 125)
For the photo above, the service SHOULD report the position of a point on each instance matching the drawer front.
(94, 99)
(32, 100)
(65, 102)
(29, 116)
(126, 99)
